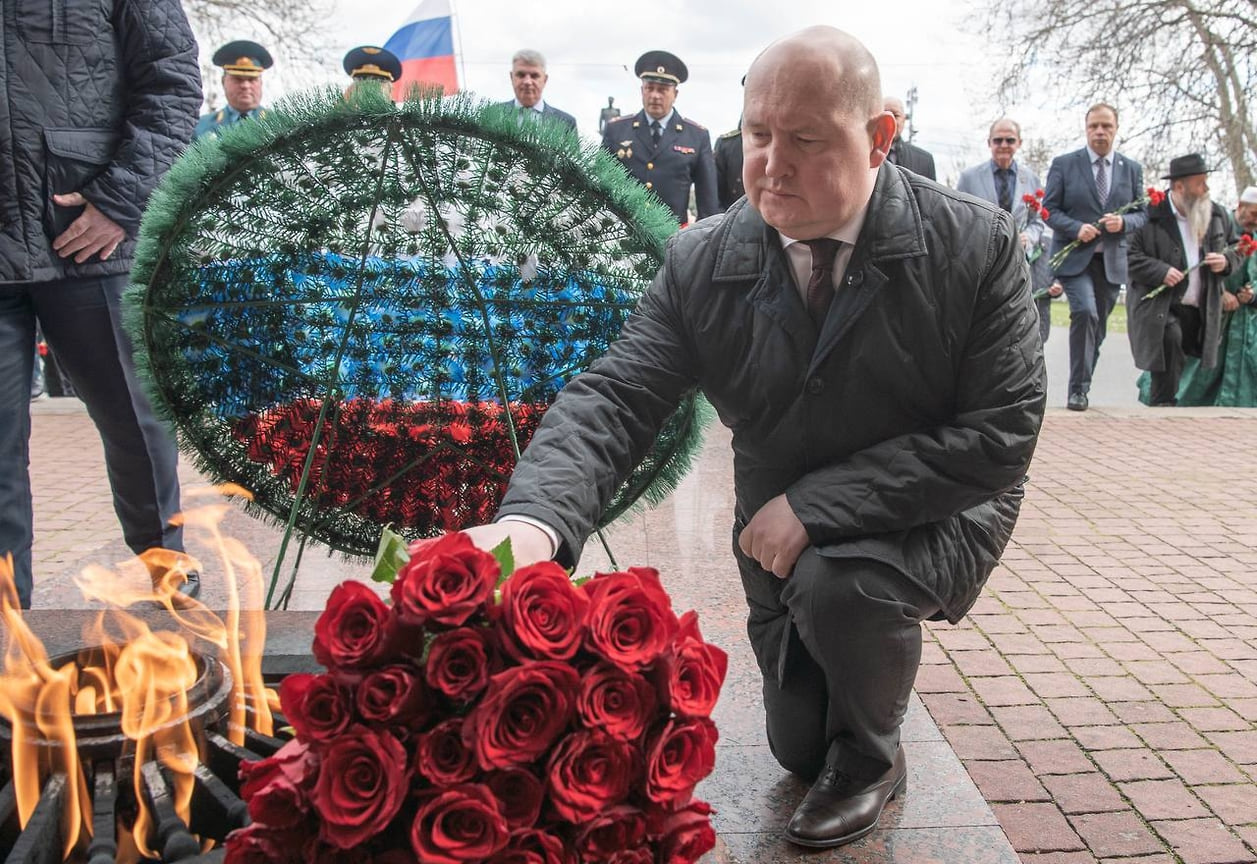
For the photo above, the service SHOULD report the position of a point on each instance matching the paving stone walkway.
(1102, 697)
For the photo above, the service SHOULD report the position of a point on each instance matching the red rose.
(393, 697)
(261, 844)
(679, 753)
(355, 630)
(442, 757)
(693, 672)
(361, 786)
(458, 663)
(534, 847)
(446, 582)
(631, 622)
(617, 702)
(316, 706)
(460, 824)
(682, 836)
(640, 855)
(543, 613)
(610, 831)
(588, 772)
(521, 714)
(278, 788)
(519, 795)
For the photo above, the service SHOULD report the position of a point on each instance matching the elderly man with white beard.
(1186, 245)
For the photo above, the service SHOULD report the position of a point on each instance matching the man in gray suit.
(528, 79)
(1004, 182)
(1084, 189)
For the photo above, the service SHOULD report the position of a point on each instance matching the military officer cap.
(243, 58)
(371, 61)
(661, 66)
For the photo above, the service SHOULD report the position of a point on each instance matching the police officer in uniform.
(666, 152)
(243, 63)
(369, 65)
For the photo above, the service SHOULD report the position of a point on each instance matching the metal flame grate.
(108, 765)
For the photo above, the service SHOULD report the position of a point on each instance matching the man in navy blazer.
(528, 79)
(1084, 188)
(1004, 182)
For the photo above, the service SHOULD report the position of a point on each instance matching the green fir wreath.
(359, 311)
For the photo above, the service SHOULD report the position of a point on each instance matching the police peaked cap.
(372, 61)
(661, 66)
(243, 58)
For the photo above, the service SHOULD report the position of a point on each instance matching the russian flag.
(425, 45)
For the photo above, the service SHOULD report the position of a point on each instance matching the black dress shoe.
(1077, 402)
(191, 587)
(840, 809)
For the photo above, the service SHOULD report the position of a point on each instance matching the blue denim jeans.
(82, 322)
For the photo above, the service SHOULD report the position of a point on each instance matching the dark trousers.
(1181, 337)
(1091, 299)
(838, 644)
(82, 321)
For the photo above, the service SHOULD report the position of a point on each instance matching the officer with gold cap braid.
(666, 152)
(243, 63)
(371, 64)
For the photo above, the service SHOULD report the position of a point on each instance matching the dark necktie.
(1102, 180)
(820, 285)
(1004, 188)
(655, 132)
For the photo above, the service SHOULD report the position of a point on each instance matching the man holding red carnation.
(869, 337)
(1187, 245)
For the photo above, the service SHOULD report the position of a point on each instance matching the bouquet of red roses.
(527, 720)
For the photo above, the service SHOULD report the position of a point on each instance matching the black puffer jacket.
(98, 97)
(902, 433)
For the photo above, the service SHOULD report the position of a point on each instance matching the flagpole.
(458, 49)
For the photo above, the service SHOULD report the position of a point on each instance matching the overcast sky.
(591, 48)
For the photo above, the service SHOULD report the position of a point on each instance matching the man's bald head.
(813, 132)
(835, 63)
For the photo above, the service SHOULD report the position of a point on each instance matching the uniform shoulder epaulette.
(621, 119)
(688, 122)
(732, 133)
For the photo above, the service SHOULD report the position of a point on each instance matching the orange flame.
(142, 674)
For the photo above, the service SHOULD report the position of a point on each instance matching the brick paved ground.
(1102, 695)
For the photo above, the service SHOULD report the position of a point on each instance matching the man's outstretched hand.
(775, 537)
(529, 544)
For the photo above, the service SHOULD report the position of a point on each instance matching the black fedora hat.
(1186, 166)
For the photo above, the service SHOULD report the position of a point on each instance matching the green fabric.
(1233, 382)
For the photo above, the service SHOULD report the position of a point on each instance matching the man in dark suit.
(528, 79)
(901, 152)
(729, 168)
(666, 152)
(1084, 189)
